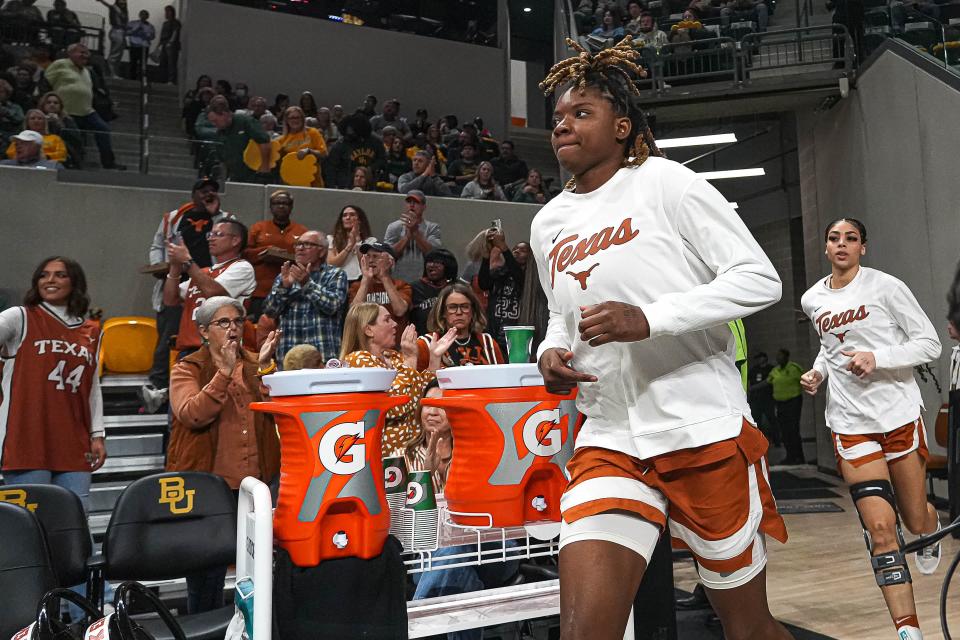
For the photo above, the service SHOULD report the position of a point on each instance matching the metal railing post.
(144, 114)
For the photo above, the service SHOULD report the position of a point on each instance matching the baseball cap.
(417, 195)
(382, 247)
(29, 136)
(203, 182)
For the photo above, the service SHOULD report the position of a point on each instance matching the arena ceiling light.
(527, 9)
(732, 173)
(697, 141)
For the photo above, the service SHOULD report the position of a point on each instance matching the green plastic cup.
(420, 494)
(519, 341)
(395, 475)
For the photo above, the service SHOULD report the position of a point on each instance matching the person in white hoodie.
(872, 333)
(643, 264)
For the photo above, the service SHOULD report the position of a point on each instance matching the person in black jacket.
(504, 284)
(356, 148)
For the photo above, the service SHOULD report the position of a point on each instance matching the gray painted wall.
(109, 229)
(888, 157)
(282, 53)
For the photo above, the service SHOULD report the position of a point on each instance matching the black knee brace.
(890, 568)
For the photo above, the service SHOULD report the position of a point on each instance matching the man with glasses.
(230, 275)
(279, 232)
(377, 284)
(308, 299)
(189, 225)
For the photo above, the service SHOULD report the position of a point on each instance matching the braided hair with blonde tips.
(614, 72)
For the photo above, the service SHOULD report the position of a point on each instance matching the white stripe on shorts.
(632, 532)
(612, 487)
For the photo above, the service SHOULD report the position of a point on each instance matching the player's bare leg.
(753, 622)
(598, 582)
(908, 476)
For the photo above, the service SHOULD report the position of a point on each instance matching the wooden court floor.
(821, 579)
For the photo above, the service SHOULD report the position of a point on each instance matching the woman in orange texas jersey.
(51, 410)
(643, 264)
(872, 333)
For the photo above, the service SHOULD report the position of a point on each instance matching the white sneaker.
(928, 558)
(152, 397)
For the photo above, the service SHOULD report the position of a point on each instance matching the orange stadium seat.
(128, 344)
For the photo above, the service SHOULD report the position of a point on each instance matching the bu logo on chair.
(17, 497)
(173, 492)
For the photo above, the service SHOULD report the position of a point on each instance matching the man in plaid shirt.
(308, 299)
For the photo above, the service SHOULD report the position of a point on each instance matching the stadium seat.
(937, 464)
(128, 344)
(170, 525)
(921, 34)
(25, 569)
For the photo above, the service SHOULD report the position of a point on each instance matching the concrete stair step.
(135, 445)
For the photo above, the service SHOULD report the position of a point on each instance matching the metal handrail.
(144, 164)
(797, 37)
(695, 52)
(943, 33)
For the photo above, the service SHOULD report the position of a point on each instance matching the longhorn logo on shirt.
(541, 432)
(582, 276)
(392, 477)
(841, 336)
(572, 249)
(342, 450)
(198, 225)
(829, 320)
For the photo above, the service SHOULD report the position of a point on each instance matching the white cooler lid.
(305, 382)
(490, 376)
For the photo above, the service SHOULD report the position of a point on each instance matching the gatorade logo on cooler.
(541, 432)
(342, 450)
(392, 477)
(414, 493)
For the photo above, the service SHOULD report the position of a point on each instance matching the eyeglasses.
(459, 308)
(303, 244)
(217, 234)
(224, 323)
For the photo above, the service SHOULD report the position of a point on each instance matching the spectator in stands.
(387, 135)
(369, 106)
(279, 232)
(459, 308)
(62, 125)
(448, 128)
(140, 35)
(213, 428)
(351, 230)
(357, 147)
(28, 152)
(53, 147)
(610, 30)
(532, 191)
(280, 104)
(423, 177)
(72, 81)
(635, 12)
(504, 284)
(488, 148)
(189, 225)
(54, 410)
(391, 116)
(327, 127)
(476, 250)
(308, 299)
(377, 284)
(464, 169)
(432, 448)
(119, 16)
(397, 163)
(302, 356)
(23, 19)
(24, 87)
(583, 16)
(753, 10)
(169, 45)
(234, 132)
(647, 33)
(302, 140)
(363, 180)
(439, 269)
(508, 168)
(308, 104)
(434, 144)
(269, 123)
(257, 107)
(192, 107)
(337, 114)
(483, 187)
(421, 124)
(63, 25)
(412, 237)
(229, 275)
(370, 340)
(11, 114)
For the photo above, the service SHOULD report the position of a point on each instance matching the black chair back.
(25, 569)
(64, 522)
(170, 525)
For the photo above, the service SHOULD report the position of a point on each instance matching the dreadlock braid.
(614, 72)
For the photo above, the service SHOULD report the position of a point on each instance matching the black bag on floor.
(346, 599)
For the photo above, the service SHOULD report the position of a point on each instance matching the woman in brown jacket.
(214, 429)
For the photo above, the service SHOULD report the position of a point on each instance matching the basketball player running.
(643, 264)
(872, 333)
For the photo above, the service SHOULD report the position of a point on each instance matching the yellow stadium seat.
(128, 344)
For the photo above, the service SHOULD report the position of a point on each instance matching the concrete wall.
(281, 53)
(887, 155)
(108, 229)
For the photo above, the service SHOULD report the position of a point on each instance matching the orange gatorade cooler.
(511, 444)
(331, 502)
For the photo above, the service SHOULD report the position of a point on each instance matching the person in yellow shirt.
(785, 379)
(302, 140)
(54, 147)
